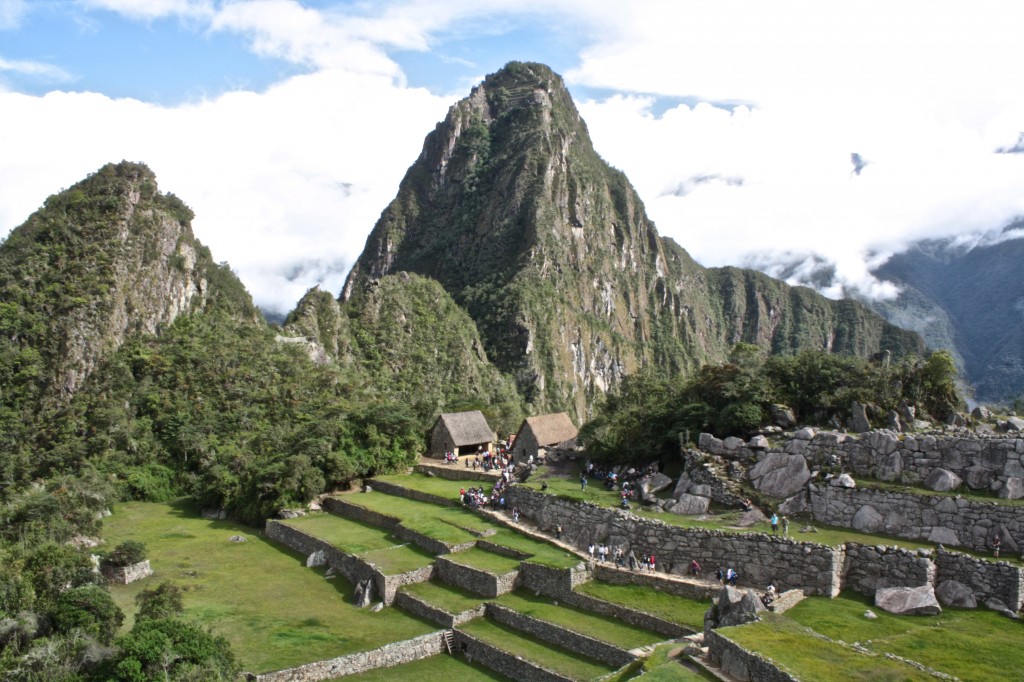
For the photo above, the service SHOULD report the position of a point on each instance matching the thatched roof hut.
(545, 431)
(461, 432)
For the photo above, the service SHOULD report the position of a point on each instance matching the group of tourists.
(475, 498)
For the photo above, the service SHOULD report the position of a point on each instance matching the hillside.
(551, 253)
(968, 301)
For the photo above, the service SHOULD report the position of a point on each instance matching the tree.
(171, 649)
(90, 609)
(163, 601)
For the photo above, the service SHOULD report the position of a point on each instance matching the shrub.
(127, 553)
(90, 609)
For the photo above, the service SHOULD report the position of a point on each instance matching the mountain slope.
(981, 294)
(550, 251)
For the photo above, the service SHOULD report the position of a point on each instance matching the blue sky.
(287, 124)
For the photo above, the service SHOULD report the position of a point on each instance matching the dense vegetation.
(646, 416)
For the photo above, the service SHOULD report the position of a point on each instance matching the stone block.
(780, 475)
(942, 480)
(908, 601)
(867, 520)
(1013, 489)
(978, 477)
(953, 593)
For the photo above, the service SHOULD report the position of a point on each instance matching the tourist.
(747, 504)
(583, 482)
(996, 542)
(775, 523)
(558, 532)
(620, 556)
(632, 561)
(731, 576)
(769, 595)
(653, 563)
(590, 550)
(720, 576)
(695, 568)
(785, 526)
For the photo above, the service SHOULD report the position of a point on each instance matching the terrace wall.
(560, 636)
(988, 579)
(759, 558)
(934, 518)
(386, 656)
(869, 568)
(554, 582)
(690, 590)
(475, 580)
(340, 507)
(453, 473)
(411, 494)
(504, 663)
(420, 608)
(626, 614)
(742, 664)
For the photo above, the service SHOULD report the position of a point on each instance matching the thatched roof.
(466, 428)
(551, 429)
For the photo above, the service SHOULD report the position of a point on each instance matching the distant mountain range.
(970, 300)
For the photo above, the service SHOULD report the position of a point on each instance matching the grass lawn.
(275, 612)
(687, 612)
(492, 563)
(435, 485)
(599, 627)
(658, 667)
(441, 668)
(445, 597)
(534, 650)
(390, 554)
(966, 643)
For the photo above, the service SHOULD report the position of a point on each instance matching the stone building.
(461, 432)
(545, 431)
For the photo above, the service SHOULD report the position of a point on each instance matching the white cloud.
(38, 70)
(287, 183)
(11, 12)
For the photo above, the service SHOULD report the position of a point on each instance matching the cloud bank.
(756, 167)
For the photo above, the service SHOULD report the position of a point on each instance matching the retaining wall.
(504, 663)
(554, 582)
(757, 557)
(419, 495)
(123, 575)
(626, 614)
(475, 580)
(340, 507)
(611, 574)
(453, 473)
(743, 665)
(948, 519)
(869, 568)
(988, 579)
(560, 636)
(386, 656)
(420, 608)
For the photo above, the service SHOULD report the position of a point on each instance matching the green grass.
(534, 650)
(481, 559)
(673, 608)
(795, 648)
(963, 491)
(599, 627)
(540, 552)
(448, 598)
(969, 644)
(275, 612)
(442, 667)
(447, 524)
(658, 667)
(390, 554)
(442, 487)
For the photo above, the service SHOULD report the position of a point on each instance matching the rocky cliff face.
(101, 260)
(550, 251)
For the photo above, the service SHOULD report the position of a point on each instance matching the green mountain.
(551, 253)
(969, 301)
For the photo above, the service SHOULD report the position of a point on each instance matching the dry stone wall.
(503, 663)
(123, 575)
(386, 656)
(473, 579)
(758, 558)
(987, 579)
(618, 576)
(945, 519)
(741, 664)
(418, 607)
(869, 568)
(419, 495)
(559, 636)
(554, 582)
(625, 614)
(454, 473)
(340, 507)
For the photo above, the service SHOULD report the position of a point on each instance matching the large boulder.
(908, 601)
(363, 594)
(978, 477)
(781, 415)
(908, 413)
(891, 467)
(942, 480)
(733, 607)
(859, 418)
(867, 520)
(780, 475)
(843, 480)
(953, 593)
(981, 413)
(1013, 489)
(690, 504)
(654, 484)
(943, 536)
(892, 421)
(1015, 424)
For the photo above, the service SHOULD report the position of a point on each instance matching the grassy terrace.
(445, 597)
(443, 667)
(586, 623)
(446, 524)
(275, 612)
(968, 644)
(540, 551)
(686, 612)
(534, 650)
(492, 563)
(390, 554)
